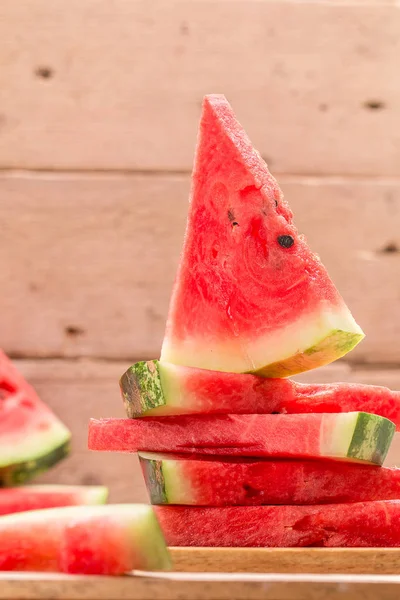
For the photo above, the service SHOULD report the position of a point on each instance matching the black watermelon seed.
(276, 203)
(286, 241)
(235, 223)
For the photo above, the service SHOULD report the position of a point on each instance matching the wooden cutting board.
(231, 574)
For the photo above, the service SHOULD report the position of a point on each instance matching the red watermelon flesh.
(102, 540)
(248, 482)
(364, 524)
(151, 388)
(32, 438)
(249, 295)
(348, 436)
(35, 497)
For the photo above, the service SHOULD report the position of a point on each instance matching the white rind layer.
(277, 346)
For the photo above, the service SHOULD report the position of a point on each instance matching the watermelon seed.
(231, 216)
(286, 241)
(235, 223)
(276, 203)
(250, 491)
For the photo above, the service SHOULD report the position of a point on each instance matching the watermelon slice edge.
(42, 496)
(354, 437)
(218, 481)
(103, 540)
(32, 438)
(151, 388)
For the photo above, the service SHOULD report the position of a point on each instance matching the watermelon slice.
(176, 479)
(151, 388)
(368, 524)
(354, 436)
(32, 438)
(13, 500)
(103, 540)
(249, 296)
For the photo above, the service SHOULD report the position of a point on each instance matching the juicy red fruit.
(100, 549)
(350, 436)
(250, 482)
(102, 540)
(218, 392)
(36, 497)
(249, 295)
(364, 524)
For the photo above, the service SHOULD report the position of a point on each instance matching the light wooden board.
(87, 262)
(234, 573)
(80, 389)
(95, 85)
(358, 561)
(188, 586)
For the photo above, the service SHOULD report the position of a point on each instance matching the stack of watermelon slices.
(233, 453)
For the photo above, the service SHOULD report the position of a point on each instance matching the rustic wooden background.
(99, 104)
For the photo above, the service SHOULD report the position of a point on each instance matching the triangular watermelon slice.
(32, 438)
(249, 296)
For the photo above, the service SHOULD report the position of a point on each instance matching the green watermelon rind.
(141, 388)
(18, 473)
(33, 438)
(310, 342)
(153, 474)
(164, 482)
(149, 388)
(332, 347)
(356, 436)
(371, 438)
(152, 541)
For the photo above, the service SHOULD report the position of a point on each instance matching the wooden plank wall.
(99, 103)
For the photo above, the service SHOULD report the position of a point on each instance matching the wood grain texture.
(188, 586)
(95, 85)
(88, 261)
(80, 389)
(373, 561)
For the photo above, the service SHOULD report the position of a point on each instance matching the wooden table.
(247, 574)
